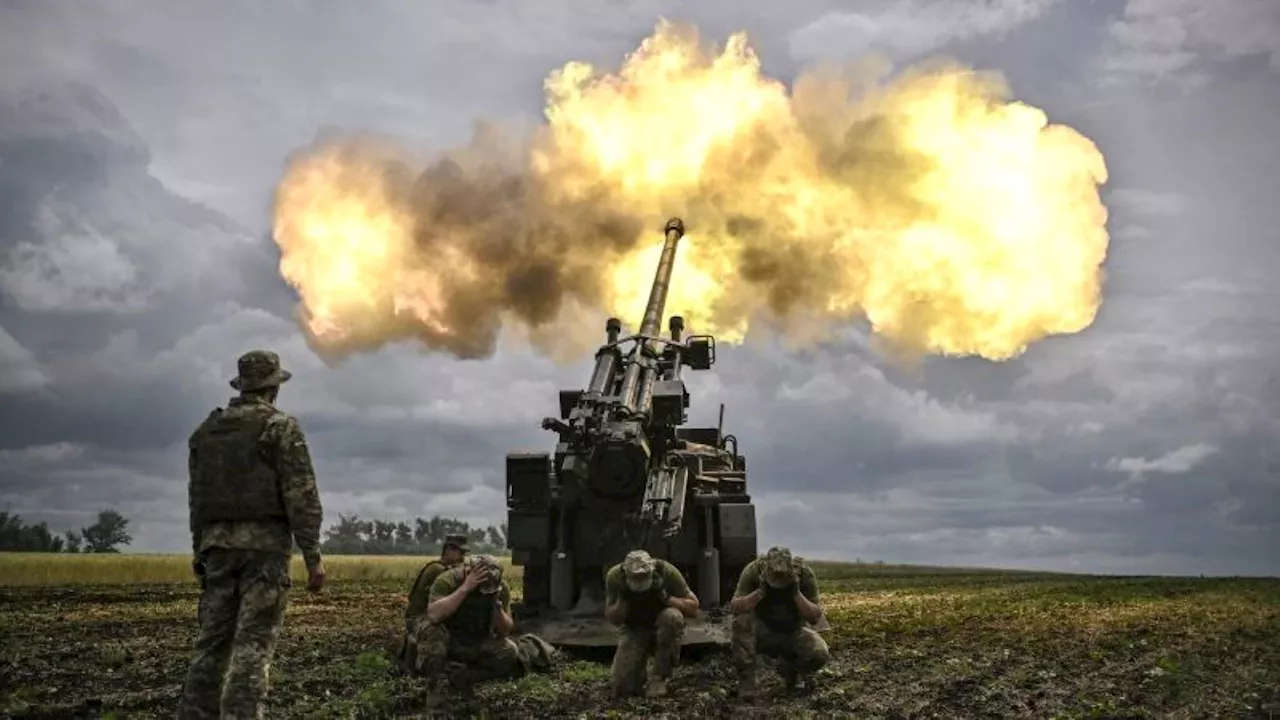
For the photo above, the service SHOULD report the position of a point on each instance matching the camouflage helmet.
(777, 567)
(486, 562)
(637, 568)
(259, 369)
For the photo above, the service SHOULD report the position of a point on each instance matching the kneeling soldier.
(465, 630)
(649, 599)
(776, 600)
(452, 554)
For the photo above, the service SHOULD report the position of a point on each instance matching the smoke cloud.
(951, 219)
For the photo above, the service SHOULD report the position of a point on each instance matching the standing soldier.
(776, 600)
(252, 495)
(453, 553)
(649, 599)
(467, 628)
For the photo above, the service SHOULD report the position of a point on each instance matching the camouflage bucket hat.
(637, 567)
(777, 567)
(494, 583)
(259, 369)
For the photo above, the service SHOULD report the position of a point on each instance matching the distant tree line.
(348, 536)
(424, 536)
(104, 536)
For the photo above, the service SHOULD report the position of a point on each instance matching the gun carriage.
(627, 475)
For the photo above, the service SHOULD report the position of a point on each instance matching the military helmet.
(489, 563)
(455, 541)
(257, 370)
(777, 567)
(637, 568)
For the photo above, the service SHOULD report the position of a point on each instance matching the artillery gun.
(625, 475)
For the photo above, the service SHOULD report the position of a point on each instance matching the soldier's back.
(235, 487)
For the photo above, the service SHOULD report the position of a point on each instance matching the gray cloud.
(20, 370)
(137, 156)
(909, 29)
(1181, 41)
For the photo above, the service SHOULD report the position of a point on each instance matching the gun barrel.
(635, 383)
(652, 323)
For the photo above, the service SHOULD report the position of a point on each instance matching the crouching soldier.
(464, 634)
(773, 606)
(451, 555)
(649, 599)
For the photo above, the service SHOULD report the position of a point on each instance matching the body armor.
(644, 607)
(474, 617)
(233, 481)
(778, 611)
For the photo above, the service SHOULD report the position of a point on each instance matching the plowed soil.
(907, 643)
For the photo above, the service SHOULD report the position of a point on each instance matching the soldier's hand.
(315, 579)
(474, 578)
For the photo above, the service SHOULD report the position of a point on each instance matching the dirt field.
(908, 642)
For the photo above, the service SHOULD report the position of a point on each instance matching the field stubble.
(102, 636)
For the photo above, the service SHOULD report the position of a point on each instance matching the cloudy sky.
(140, 142)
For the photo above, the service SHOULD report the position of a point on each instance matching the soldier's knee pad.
(430, 639)
(746, 622)
(814, 653)
(671, 619)
(508, 650)
(432, 631)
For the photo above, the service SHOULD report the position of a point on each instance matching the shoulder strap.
(424, 570)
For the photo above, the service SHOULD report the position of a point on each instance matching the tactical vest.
(778, 611)
(644, 607)
(474, 617)
(232, 481)
(420, 594)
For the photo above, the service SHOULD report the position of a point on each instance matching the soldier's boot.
(791, 679)
(460, 679)
(435, 698)
(656, 687)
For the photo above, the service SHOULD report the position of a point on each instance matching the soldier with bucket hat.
(252, 497)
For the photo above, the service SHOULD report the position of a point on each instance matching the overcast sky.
(140, 142)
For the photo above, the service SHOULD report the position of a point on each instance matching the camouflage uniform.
(465, 640)
(252, 495)
(650, 627)
(420, 593)
(775, 628)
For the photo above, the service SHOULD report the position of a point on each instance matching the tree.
(345, 536)
(498, 538)
(352, 536)
(72, 542)
(12, 531)
(17, 536)
(404, 535)
(421, 531)
(107, 534)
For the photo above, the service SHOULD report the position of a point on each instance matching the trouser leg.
(264, 594)
(219, 606)
(629, 660)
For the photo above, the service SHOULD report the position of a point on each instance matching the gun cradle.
(664, 499)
